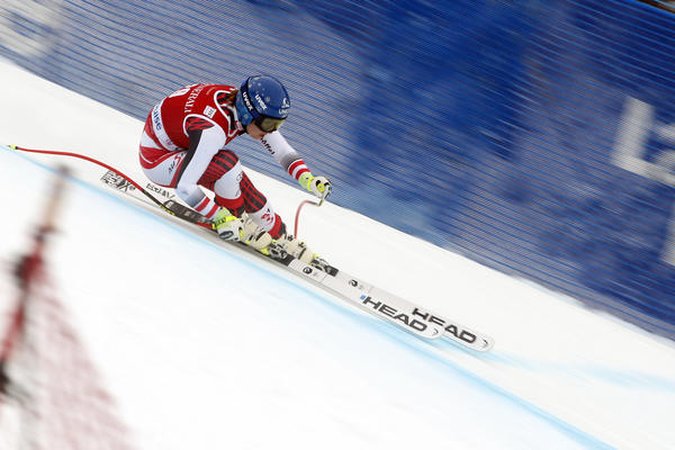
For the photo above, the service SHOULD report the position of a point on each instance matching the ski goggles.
(268, 124)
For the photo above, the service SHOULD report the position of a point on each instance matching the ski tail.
(122, 183)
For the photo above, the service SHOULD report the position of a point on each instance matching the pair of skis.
(372, 299)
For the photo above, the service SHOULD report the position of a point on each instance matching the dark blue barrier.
(537, 137)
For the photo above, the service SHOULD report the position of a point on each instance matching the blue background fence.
(537, 137)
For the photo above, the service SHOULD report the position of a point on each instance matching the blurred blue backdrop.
(536, 137)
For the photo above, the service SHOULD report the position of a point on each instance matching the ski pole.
(297, 211)
(173, 208)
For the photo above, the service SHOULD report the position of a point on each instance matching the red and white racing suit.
(183, 147)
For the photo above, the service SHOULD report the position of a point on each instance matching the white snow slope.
(204, 347)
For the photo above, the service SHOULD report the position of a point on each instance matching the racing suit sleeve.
(277, 146)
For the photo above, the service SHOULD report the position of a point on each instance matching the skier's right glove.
(228, 227)
(319, 186)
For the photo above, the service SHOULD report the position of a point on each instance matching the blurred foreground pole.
(51, 395)
(27, 273)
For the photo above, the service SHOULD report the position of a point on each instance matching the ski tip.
(486, 344)
(479, 343)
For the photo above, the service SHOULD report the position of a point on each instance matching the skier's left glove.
(319, 186)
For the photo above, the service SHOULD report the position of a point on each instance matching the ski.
(451, 330)
(366, 297)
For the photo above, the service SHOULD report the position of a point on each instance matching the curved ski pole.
(297, 212)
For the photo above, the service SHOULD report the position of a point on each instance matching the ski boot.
(254, 235)
(257, 238)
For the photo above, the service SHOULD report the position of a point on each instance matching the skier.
(183, 146)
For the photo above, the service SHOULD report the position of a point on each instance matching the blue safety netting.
(537, 137)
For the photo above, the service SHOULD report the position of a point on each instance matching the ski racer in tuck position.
(183, 146)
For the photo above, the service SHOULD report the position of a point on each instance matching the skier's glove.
(319, 186)
(228, 227)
